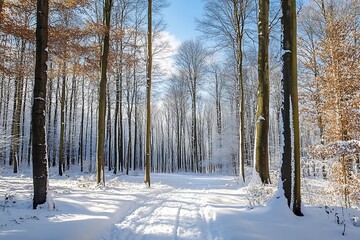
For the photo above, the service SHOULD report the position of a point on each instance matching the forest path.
(170, 212)
(177, 206)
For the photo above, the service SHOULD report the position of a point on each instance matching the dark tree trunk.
(100, 155)
(62, 122)
(290, 168)
(81, 142)
(39, 156)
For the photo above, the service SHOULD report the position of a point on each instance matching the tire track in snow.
(176, 214)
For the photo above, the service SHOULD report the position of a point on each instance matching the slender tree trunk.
(239, 28)
(136, 118)
(55, 120)
(70, 105)
(39, 156)
(62, 122)
(91, 133)
(14, 138)
(129, 133)
(290, 168)
(81, 142)
(87, 126)
(262, 115)
(116, 133)
(148, 88)
(50, 144)
(194, 145)
(17, 109)
(23, 145)
(108, 127)
(100, 155)
(218, 109)
(121, 132)
(73, 136)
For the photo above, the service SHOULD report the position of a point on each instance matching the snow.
(39, 98)
(177, 206)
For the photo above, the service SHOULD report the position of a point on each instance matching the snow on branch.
(335, 149)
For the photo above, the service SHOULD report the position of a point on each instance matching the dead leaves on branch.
(336, 149)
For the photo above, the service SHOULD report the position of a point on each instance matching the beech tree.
(339, 88)
(100, 155)
(39, 156)
(290, 166)
(148, 92)
(224, 21)
(262, 115)
(190, 61)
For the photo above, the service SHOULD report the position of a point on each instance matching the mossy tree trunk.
(262, 116)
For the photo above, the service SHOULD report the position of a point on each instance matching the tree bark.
(290, 168)
(262, 115)
(100, 155)
(239, 29)
(81, 142)
(39, 156)
(17, 109)
(148, 91)
(62, 122)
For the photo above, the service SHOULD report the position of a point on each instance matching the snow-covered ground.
(177, 206)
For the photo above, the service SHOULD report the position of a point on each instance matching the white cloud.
(165, 47)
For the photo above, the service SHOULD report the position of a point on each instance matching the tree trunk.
(116, 133)
(55, 120)
(81, 142)
(91, 133)
(39, 156)
(239, 28)
(290, 168)
(194, 146)
(136, 119)
(23, 151)
(50, 144)
(100, 175)
(148, 88)
(14, 156)
(108, 132)
(62, 122)
(262, 115)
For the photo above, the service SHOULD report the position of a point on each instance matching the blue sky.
(180, 18)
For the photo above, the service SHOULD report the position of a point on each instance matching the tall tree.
(39, 156)
(239, 23)
(224, 22)
(190, 61)
(339, 88)
(262, 115)
(62, 120)
(148, 89)
(100, 154)
(290, 167)
(17, 109)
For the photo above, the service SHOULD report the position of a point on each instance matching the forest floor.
(177, 206)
